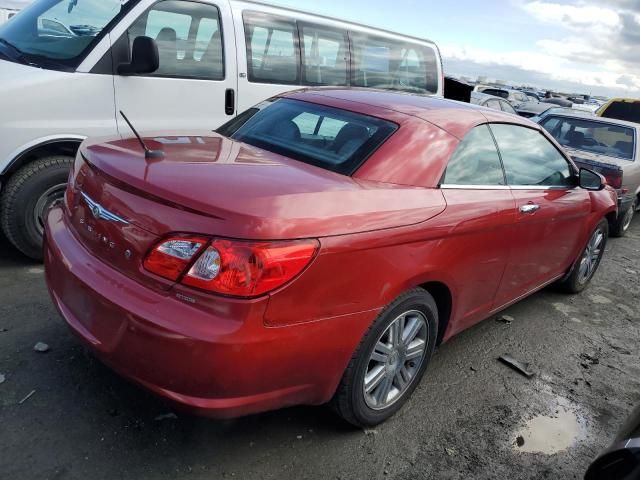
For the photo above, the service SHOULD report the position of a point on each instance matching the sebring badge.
(101, 213)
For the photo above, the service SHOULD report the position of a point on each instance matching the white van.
(67, 67)
(6, 14)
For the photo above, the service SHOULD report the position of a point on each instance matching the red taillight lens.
(247, 269)
(170, 258)
(614, 179)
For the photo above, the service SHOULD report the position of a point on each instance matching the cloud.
(543, 68)
(576, 16)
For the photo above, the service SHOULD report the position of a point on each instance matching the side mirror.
(144, 57)
(590, 180)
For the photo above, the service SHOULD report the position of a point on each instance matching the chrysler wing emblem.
(101, 213)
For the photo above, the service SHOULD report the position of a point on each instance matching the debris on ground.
(2, 378)
(473, 369)
(299, 437)
(520, 441)
(370, 432)
(630, 272)
(508, 319)
(518, 366)
(27, 397)
(41, 347)
(166, 416)
(588, 361)
(451, 451)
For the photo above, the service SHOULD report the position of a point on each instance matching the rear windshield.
(628, 111)
(496, 92)
(592, 136)
(326, 137)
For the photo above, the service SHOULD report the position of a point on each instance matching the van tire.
(30, 190)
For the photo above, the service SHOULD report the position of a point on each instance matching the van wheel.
(623, 222)
(586, 266)
(26, 198)
(390, 361)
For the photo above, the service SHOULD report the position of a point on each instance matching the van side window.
(272, 48)
(326, 53)
(189, 39)
(386, 63)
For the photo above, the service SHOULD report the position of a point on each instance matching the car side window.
(189, 38)
(475, 161)
(494, 104)
(272, 48)
(529, 158)
(325, 57)
(506, 107)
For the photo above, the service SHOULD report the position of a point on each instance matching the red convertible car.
(315, 249)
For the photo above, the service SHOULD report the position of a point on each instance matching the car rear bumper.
(222, 362)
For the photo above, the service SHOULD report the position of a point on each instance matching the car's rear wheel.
(623, 222)
(390, 361)
(586, 266)
(26, 199)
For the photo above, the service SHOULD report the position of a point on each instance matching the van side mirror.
(590, 180)
(144, 57)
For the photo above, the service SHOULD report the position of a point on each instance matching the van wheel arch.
(61, 147)
(32, 184)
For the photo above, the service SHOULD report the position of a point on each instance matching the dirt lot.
(472, 417)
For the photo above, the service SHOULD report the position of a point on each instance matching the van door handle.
(230, 101)
(529, 208)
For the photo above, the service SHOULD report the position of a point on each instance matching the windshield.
(59, 33)
(593, 136)
(326, 137)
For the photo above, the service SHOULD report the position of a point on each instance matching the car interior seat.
(167, 41)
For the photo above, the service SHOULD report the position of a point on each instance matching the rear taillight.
(172, 256)
(614, 179)
(233, 267)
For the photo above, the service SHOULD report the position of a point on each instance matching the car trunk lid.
(212, 185)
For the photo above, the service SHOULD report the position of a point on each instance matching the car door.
(195, 84)
(480, 217)
(550, 207)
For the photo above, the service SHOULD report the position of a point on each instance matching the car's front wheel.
(586, 266)
(390, 361)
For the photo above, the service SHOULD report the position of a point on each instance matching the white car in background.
(67, 67)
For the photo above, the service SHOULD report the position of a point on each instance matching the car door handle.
(230, 101)
(529, 208)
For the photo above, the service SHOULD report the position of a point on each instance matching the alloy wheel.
(591, 256)
(396, 359)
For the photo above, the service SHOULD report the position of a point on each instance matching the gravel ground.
(472, 417)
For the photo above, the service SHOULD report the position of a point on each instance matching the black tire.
(349, 400)
(32, 188)
(575, 281)
(621, 225)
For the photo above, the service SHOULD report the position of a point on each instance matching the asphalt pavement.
(63, 415)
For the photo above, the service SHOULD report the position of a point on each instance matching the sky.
(575, 46)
